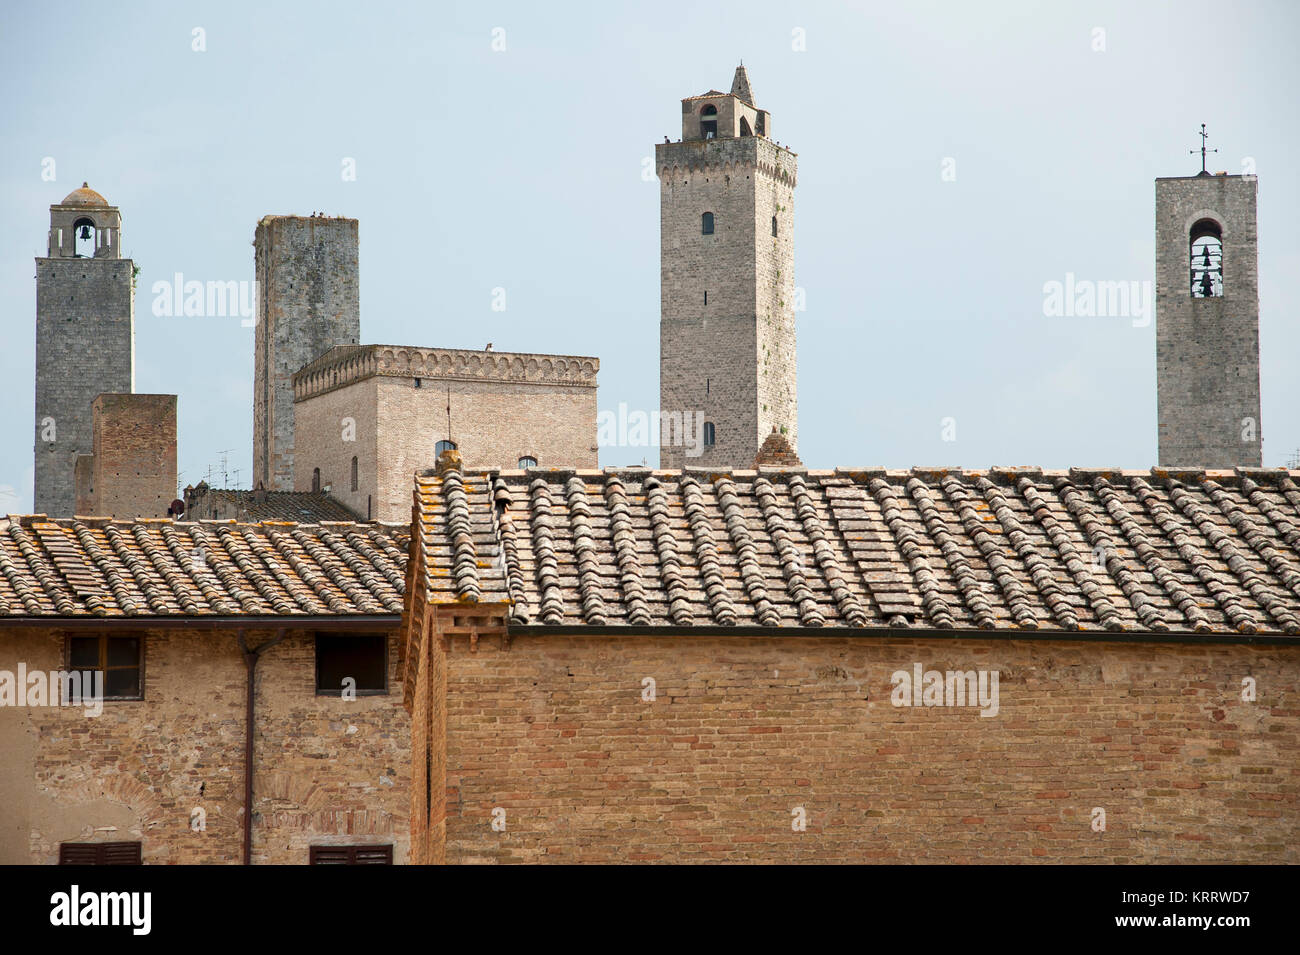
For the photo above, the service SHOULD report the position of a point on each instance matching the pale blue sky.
(522, 169)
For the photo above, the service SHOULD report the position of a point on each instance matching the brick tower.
(85, 338)
(726, 333)
(1207, 321)
(308, 301)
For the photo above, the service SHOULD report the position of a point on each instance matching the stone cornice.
(348, 364)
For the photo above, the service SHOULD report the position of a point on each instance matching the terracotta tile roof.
(1005, 549)
(252, 506)
(96, 567)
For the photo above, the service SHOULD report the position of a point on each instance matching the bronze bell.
(85, 232)
(1207, 255)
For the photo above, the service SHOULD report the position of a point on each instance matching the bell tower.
(85, 338)
(1207, 320)
(726, 235)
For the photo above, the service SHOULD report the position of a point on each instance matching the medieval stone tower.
(726, 333)
(85, 338)
(308, 301)
(1207, 322)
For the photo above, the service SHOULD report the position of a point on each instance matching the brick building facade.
(692, 666)
(175, 606)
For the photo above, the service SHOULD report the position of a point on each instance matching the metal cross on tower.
(1203, 151)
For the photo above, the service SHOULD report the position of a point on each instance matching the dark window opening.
(744, 127)
(354, 472)
(442, 446)
(351, 855)
(706, 223)
(1206, 259)
(710, 435)
(360, 658)
(119, 661)
(417, 382)
(527, 461)
(706, 296)
(83, 239)
(773, 225)
(315, 480)
(709, 122)
(100, 853)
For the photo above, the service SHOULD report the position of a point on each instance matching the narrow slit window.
(710, 434)
(706, 223)
(315, 480)
(354, 472)
(773, 225)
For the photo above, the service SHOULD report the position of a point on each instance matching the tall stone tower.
(726, 235)
(308, 301)
(85, 338)
(1207, 321)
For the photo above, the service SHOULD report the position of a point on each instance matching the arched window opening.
(709, 122)
(315, 480)
(442, 446)
(773, 225)
(354, 472)
(710, 435)
(83, 236)
(527, 461)
(706, 224)
(1206, 259)
(744, 127)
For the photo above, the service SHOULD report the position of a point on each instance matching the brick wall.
(744, 730)
(1207, 349)
(134, 466)
(328, 771)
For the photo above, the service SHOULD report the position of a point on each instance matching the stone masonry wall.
(134, 465)
(743, 731)
(84, 346)
(731, 358)
(308, 301)
(1207, 349)
(328, 771)
(504, 406)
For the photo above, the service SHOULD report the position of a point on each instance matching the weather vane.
(1203, 151)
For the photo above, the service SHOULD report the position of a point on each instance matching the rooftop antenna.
(1203, 151)
(449, 414)
(225, 475)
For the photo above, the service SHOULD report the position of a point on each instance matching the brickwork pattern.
(555, 732)
(134, 468)
(1207, 349)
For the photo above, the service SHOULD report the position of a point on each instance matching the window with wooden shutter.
(351, 855)
(100, 853)
(119, 660)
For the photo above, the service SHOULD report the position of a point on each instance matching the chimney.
(776, 452)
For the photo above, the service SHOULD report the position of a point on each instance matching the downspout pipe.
(251, 657)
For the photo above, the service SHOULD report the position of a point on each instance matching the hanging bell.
(1207, 256)
(1207, 285)
(85, 232)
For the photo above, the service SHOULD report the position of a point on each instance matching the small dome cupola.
(85, 196)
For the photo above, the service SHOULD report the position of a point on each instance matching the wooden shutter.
(100, 853)
(351, 855)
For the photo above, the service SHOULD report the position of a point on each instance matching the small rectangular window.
(118, 660)
(351, 855)
(361, 659)
(100, 853)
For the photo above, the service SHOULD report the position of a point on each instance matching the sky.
(954, 159)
